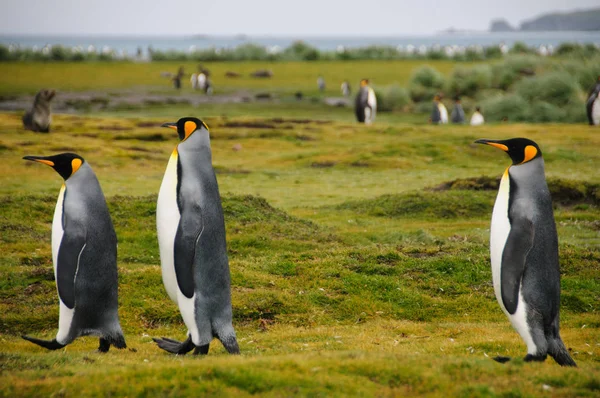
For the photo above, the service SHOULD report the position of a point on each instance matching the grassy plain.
(350, 276)
(289, 77)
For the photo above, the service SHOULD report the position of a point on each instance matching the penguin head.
(65, 164)
(186, 126)
(364, 82)
(520, 150)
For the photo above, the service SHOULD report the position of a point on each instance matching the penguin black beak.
(40, 159)
(496, 143)
(170, 125)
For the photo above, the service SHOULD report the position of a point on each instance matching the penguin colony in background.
(524, 252)
(84, 253)
(191, 237)
(365, 106)
(195, 267)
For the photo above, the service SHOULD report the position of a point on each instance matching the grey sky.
(267, 17)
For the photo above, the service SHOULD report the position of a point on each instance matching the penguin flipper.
(518, 245)
(49, 344)
(186, 238)
(69, 254)
(174, 346)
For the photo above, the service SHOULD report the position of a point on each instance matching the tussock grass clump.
(564, 191)
(392, 98)
(556, 88)
(469, 81)
(424, 83)
(513, 68)
(510, 107)
(450, 204)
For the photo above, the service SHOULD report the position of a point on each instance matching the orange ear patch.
(530, 152)
(501, 146)
(189, 127)
(75, 165)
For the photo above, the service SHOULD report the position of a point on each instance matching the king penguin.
(191, 237)
(84, 253)
(365, 106)
(592, 104)
(524, 252)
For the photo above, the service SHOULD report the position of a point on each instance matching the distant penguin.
(346, 89)
(201, 81)
(592, 104)
(439, 113)
(194, 81)
(321, 83)
(191, 237)
(84, 253)
(458, 114)
(524, 252)
(477, 118)
(365, 106)
(39, 117)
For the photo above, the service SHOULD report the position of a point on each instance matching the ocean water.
(130, 44)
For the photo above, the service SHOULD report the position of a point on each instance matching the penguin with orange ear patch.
(191, 238)
(84, 253)
(524, 252)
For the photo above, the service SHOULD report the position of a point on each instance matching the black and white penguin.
(592, 104)
(524, 252)
(84, 253)
(191, 237)
(365, 106)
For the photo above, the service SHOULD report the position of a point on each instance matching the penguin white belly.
(167, 221)
(499, 231)
(372, 101)
(519, 322)
(443, 113)
(596, 111)
(65, 315)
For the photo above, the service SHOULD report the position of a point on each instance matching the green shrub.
(556, 88)
(586, 73)
(577, 50)
(392, 98)
(425, 83)
(541, 112)
(512, 106)
(513, 68)
(469, 81)
(4, 53)
(521, 48)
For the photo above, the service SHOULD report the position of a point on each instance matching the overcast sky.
(267, 17)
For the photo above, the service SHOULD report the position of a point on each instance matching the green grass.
(17, 78)
(350, 275)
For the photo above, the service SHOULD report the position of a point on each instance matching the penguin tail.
(502, 359)
(49, 344)
(558, 351)
(174, 346)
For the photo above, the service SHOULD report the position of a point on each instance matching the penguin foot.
(535, 358)
(174, 346)
(202, 350)
(49, 344)
(104, 345)
(501, 359)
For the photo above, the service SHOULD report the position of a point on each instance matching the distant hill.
(578, 20)
(586, 20)
(501, 25)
